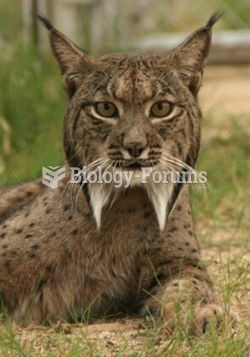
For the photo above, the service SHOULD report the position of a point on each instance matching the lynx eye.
(106, 109)
(161, 109)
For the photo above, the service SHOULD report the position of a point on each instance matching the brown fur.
(55, 263)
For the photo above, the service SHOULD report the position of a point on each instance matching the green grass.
(226, 201)
(32, 102)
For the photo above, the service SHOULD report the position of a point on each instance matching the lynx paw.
(212, 316)
(194, 321)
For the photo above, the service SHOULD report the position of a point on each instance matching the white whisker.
(178, 161)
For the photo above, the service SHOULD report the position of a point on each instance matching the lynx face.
(133, 112)
(128, 112)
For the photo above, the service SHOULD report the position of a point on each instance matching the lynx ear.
(189, 57)
(73, 62)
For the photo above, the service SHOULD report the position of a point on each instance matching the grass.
(32, 103)
(225, 161)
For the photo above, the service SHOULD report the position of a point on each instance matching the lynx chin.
(101, 250)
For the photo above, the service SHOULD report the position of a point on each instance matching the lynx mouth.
(134, 166)
(138, 164)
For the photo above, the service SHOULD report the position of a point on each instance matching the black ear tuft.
(213, 19)
(190, 56)
(72, 61)
(45, 22)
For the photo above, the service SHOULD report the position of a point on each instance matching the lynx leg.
(187, 303)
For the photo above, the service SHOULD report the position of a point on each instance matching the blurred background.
(32, 100)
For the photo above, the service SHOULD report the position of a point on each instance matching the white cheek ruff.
(160, 196)
(158, 193)
(99, 196)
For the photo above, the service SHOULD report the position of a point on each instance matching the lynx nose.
(135, 142)
(135, 148)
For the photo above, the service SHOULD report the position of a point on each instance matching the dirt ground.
(225, 91)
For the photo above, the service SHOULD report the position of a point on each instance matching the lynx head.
(128, 112)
